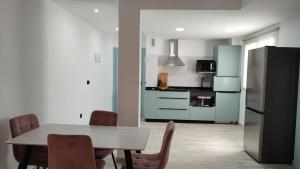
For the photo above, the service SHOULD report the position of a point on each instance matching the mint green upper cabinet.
(150, 109)
(228, 60)
(230, 84)
(227, 107)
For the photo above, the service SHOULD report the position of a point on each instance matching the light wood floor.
(203, 146)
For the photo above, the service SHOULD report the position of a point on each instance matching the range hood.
(173, 59)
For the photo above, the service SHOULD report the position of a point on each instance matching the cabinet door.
(203, 113)
(172, 114)
(230, 84)
(227, 107)
(228, 60)
(181, 104)
(150, 104)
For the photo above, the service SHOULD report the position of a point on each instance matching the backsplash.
(189, 52)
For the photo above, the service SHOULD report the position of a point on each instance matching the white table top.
(122, 138)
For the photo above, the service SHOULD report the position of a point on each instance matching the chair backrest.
(23, 124)
(18, 126)
(166, 144)
(104, 118)
(70, 152)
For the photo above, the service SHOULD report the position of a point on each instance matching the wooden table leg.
(128, 159)
(26, 157)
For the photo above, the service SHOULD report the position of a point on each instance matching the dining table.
(126, 139)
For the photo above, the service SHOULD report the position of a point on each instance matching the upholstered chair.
(23, 124)
(72, 152)
(158, 160)
(104, 118)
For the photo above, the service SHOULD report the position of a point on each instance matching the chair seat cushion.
(102, 153)
(145, 161)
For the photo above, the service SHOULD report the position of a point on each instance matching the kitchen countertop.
(183, 89)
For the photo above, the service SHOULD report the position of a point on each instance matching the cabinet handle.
(171, 98)
(170, 109)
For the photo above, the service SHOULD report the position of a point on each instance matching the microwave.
(206, 66)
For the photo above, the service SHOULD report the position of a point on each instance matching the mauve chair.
(23, 124)
(104, 118)
(72, 152)
(158, 160)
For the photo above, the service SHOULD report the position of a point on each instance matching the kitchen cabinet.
(203, 113)
(227, 107)
(168, 105)
(173, 95)
(165, 103)
(227, 84)
(172, 114)
(173, 105)
(227, 59)
(150, 109)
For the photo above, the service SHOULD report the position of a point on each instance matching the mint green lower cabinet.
(227, 107)
(173, 103)
(173, 114)
(150, 109)
(171, 94)
(203, 113)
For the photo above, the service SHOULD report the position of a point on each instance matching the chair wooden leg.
(38, 167)
(114, 160)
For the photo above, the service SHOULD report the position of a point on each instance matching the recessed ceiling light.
(179, 29)
(117, 29)
(229, 30)
(96, 10)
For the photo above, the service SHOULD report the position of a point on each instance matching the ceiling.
(254, 15)
(107, 18)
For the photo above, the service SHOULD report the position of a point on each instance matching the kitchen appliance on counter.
(206, 66)
(271, 104)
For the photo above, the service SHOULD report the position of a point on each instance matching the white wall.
(58, 51)
(10, 76)
(108, 44)
(289, 34)
(46, 56)
(189, 52)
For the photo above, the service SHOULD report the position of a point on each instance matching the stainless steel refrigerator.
(271, 104)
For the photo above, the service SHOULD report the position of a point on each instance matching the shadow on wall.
(33, 49)
(4, 136)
